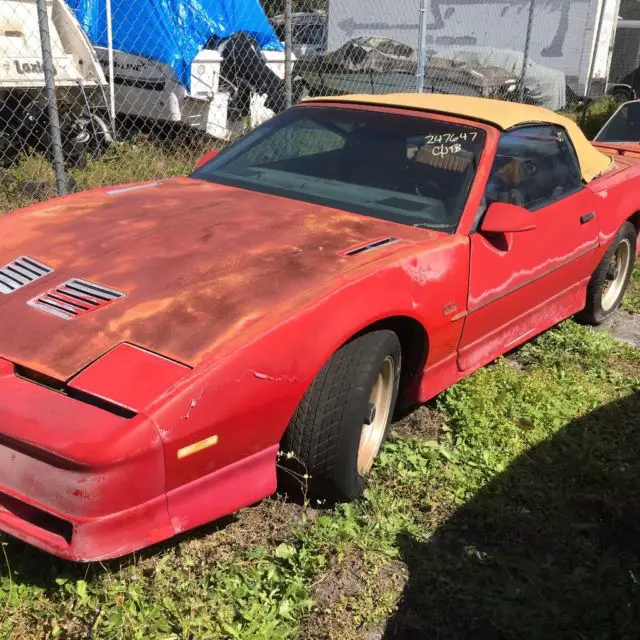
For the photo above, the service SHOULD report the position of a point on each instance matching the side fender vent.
(376, 244)
(21, 272)
(74, 298)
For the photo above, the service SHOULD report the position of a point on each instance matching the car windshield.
(308, 34)
(624, 126)
(412, 170)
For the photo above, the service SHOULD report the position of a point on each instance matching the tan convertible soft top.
(502, 114)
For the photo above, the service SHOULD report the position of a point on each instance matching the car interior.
(398, 167)
(531, 170)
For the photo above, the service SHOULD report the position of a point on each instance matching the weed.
(631, 301)
(597, 113)
(136, 160)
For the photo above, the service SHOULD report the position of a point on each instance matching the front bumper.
(75, 479)
(84, 539)
(210, 497)
(85, 484)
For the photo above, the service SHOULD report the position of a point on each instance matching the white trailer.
(574, 37)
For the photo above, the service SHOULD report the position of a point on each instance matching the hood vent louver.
(21, 272)
(376, 244)
(74, 298)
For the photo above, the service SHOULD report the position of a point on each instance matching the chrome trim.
(21, 272)
(135, 187)
(87, 296)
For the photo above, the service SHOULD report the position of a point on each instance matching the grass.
(597, 113)
(510, 505)
(32, 178)
(631, 301)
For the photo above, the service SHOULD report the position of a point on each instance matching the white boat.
(147, 88)
(79, 82)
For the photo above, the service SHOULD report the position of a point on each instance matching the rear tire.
(622, 95)
(611, 278)
(342, 420)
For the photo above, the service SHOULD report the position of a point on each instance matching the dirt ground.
(624, 326)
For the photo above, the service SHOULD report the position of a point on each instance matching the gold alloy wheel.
(375, 425)
(616, 275)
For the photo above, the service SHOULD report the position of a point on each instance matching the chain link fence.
(97, 92)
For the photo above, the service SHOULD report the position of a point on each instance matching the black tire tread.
(314, 431)
(592, 313)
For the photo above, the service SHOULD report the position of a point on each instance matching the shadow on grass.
(550, 549)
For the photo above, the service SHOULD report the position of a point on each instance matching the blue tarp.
(173, 31)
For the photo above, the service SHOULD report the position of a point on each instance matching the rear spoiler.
(629, 150)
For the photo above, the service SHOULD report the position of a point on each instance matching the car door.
(522, 283)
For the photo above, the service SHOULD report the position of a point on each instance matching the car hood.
(198, 262)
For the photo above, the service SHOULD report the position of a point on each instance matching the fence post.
(52, 105)
(525, 56)
(422, 47)
(592, 64)
(112, 90)
(288, 43)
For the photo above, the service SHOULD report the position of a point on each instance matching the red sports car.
(161, 342)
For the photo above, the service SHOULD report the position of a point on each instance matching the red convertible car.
(161, 342)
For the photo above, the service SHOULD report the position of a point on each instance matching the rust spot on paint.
(199, 263)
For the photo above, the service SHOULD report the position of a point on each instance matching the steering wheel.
(530, 168)
(428, 189)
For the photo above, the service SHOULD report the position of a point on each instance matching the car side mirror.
(210, 155)
(506, 218)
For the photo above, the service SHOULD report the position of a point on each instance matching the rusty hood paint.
(197, 261)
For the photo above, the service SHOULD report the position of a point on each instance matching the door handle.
(587, 217)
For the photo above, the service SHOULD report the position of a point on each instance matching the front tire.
(611, 278)
(342, 420)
